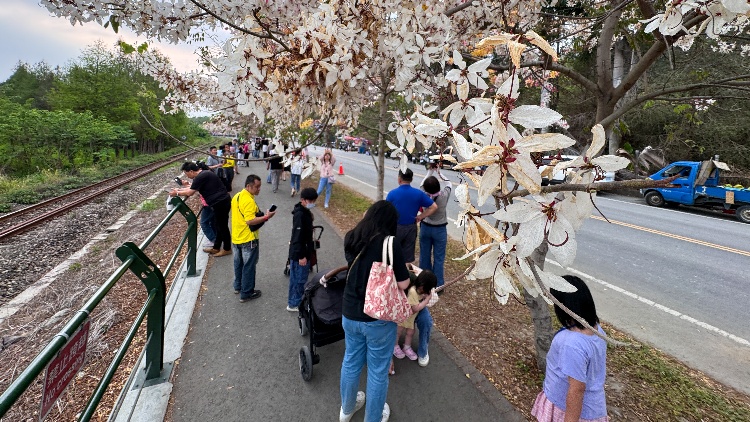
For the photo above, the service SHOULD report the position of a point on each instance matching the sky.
(31, 34)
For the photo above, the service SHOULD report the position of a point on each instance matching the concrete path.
(240, 360)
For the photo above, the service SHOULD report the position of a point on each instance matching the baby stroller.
(317, 232)
(320, 316)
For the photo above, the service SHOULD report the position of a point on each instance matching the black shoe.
(254, 295)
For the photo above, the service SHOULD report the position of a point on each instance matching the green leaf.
(142, 48)
(125, 47)
(115, 23)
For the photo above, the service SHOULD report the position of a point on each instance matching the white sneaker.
(424, 361)
(386, 413)
(290, 309)
(358, 405)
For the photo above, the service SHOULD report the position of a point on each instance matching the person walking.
(326, 175)
(276, 166)
(301, 247)
(246, 222)
(367, 340)
(296, 169)
(433, 229)
(215, 194)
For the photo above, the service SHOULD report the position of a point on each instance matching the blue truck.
(697, 184)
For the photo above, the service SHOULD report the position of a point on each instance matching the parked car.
(447, 160)
(561, 176)
(547, 168)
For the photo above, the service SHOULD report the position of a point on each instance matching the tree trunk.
(540, 316)
(382, 120)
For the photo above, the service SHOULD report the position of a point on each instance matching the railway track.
(26, 218)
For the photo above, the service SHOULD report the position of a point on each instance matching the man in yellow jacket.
(246, 222)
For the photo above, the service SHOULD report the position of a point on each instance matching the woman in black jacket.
(368, 340)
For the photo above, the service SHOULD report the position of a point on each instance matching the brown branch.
(457, 279)
(733, 82)
(576, 77)
(648, 59)
(241, 29)
(460, 7)
(598, 186)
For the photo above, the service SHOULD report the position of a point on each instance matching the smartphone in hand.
(178, 181)
(273, 208)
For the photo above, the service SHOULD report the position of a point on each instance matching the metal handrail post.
(153, 279)
(192, 221)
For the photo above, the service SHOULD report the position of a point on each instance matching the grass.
(654, 386)
(148, 205)
(49, 183)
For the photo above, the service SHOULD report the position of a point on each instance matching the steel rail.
(115, 182)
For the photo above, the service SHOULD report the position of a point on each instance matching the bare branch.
(734, 82)
(598, 186)
(460, 7)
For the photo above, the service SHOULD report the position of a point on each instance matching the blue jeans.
(295, 181)
(297, 279)
(207, 223)
(371, 343)
(432, 244)
(324, 184)
(424, 325)
(245, 260)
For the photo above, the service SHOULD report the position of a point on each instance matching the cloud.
(33, 35)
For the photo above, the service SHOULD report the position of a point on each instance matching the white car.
(547, 167)
(560, 176)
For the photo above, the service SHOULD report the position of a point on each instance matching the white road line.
(658, 306)
(364, 183)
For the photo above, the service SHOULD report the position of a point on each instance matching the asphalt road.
(673, 278)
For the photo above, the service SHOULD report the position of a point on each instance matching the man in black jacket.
(301, 247)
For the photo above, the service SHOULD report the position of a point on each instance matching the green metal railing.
(135, 260)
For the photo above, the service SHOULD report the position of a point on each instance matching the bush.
(23, 197)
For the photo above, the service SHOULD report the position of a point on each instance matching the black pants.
(221, 222)
(228, 178)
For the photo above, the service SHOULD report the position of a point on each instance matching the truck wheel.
(655, 199)
(743, 213)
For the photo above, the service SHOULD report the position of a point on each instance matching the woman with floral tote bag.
(368, 340)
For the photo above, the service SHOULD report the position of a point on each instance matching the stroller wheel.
(303, 329)
(305, 363)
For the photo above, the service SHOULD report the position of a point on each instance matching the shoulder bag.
(383, 299)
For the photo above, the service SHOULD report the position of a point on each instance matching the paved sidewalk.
(240, 360)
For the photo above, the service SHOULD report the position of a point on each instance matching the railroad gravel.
(25, 258)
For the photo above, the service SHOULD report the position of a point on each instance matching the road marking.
(364, 183)
(658, 306)
(675, 236)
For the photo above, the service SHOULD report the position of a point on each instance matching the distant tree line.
(89, 112)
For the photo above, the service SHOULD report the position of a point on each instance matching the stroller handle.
(332, 273)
